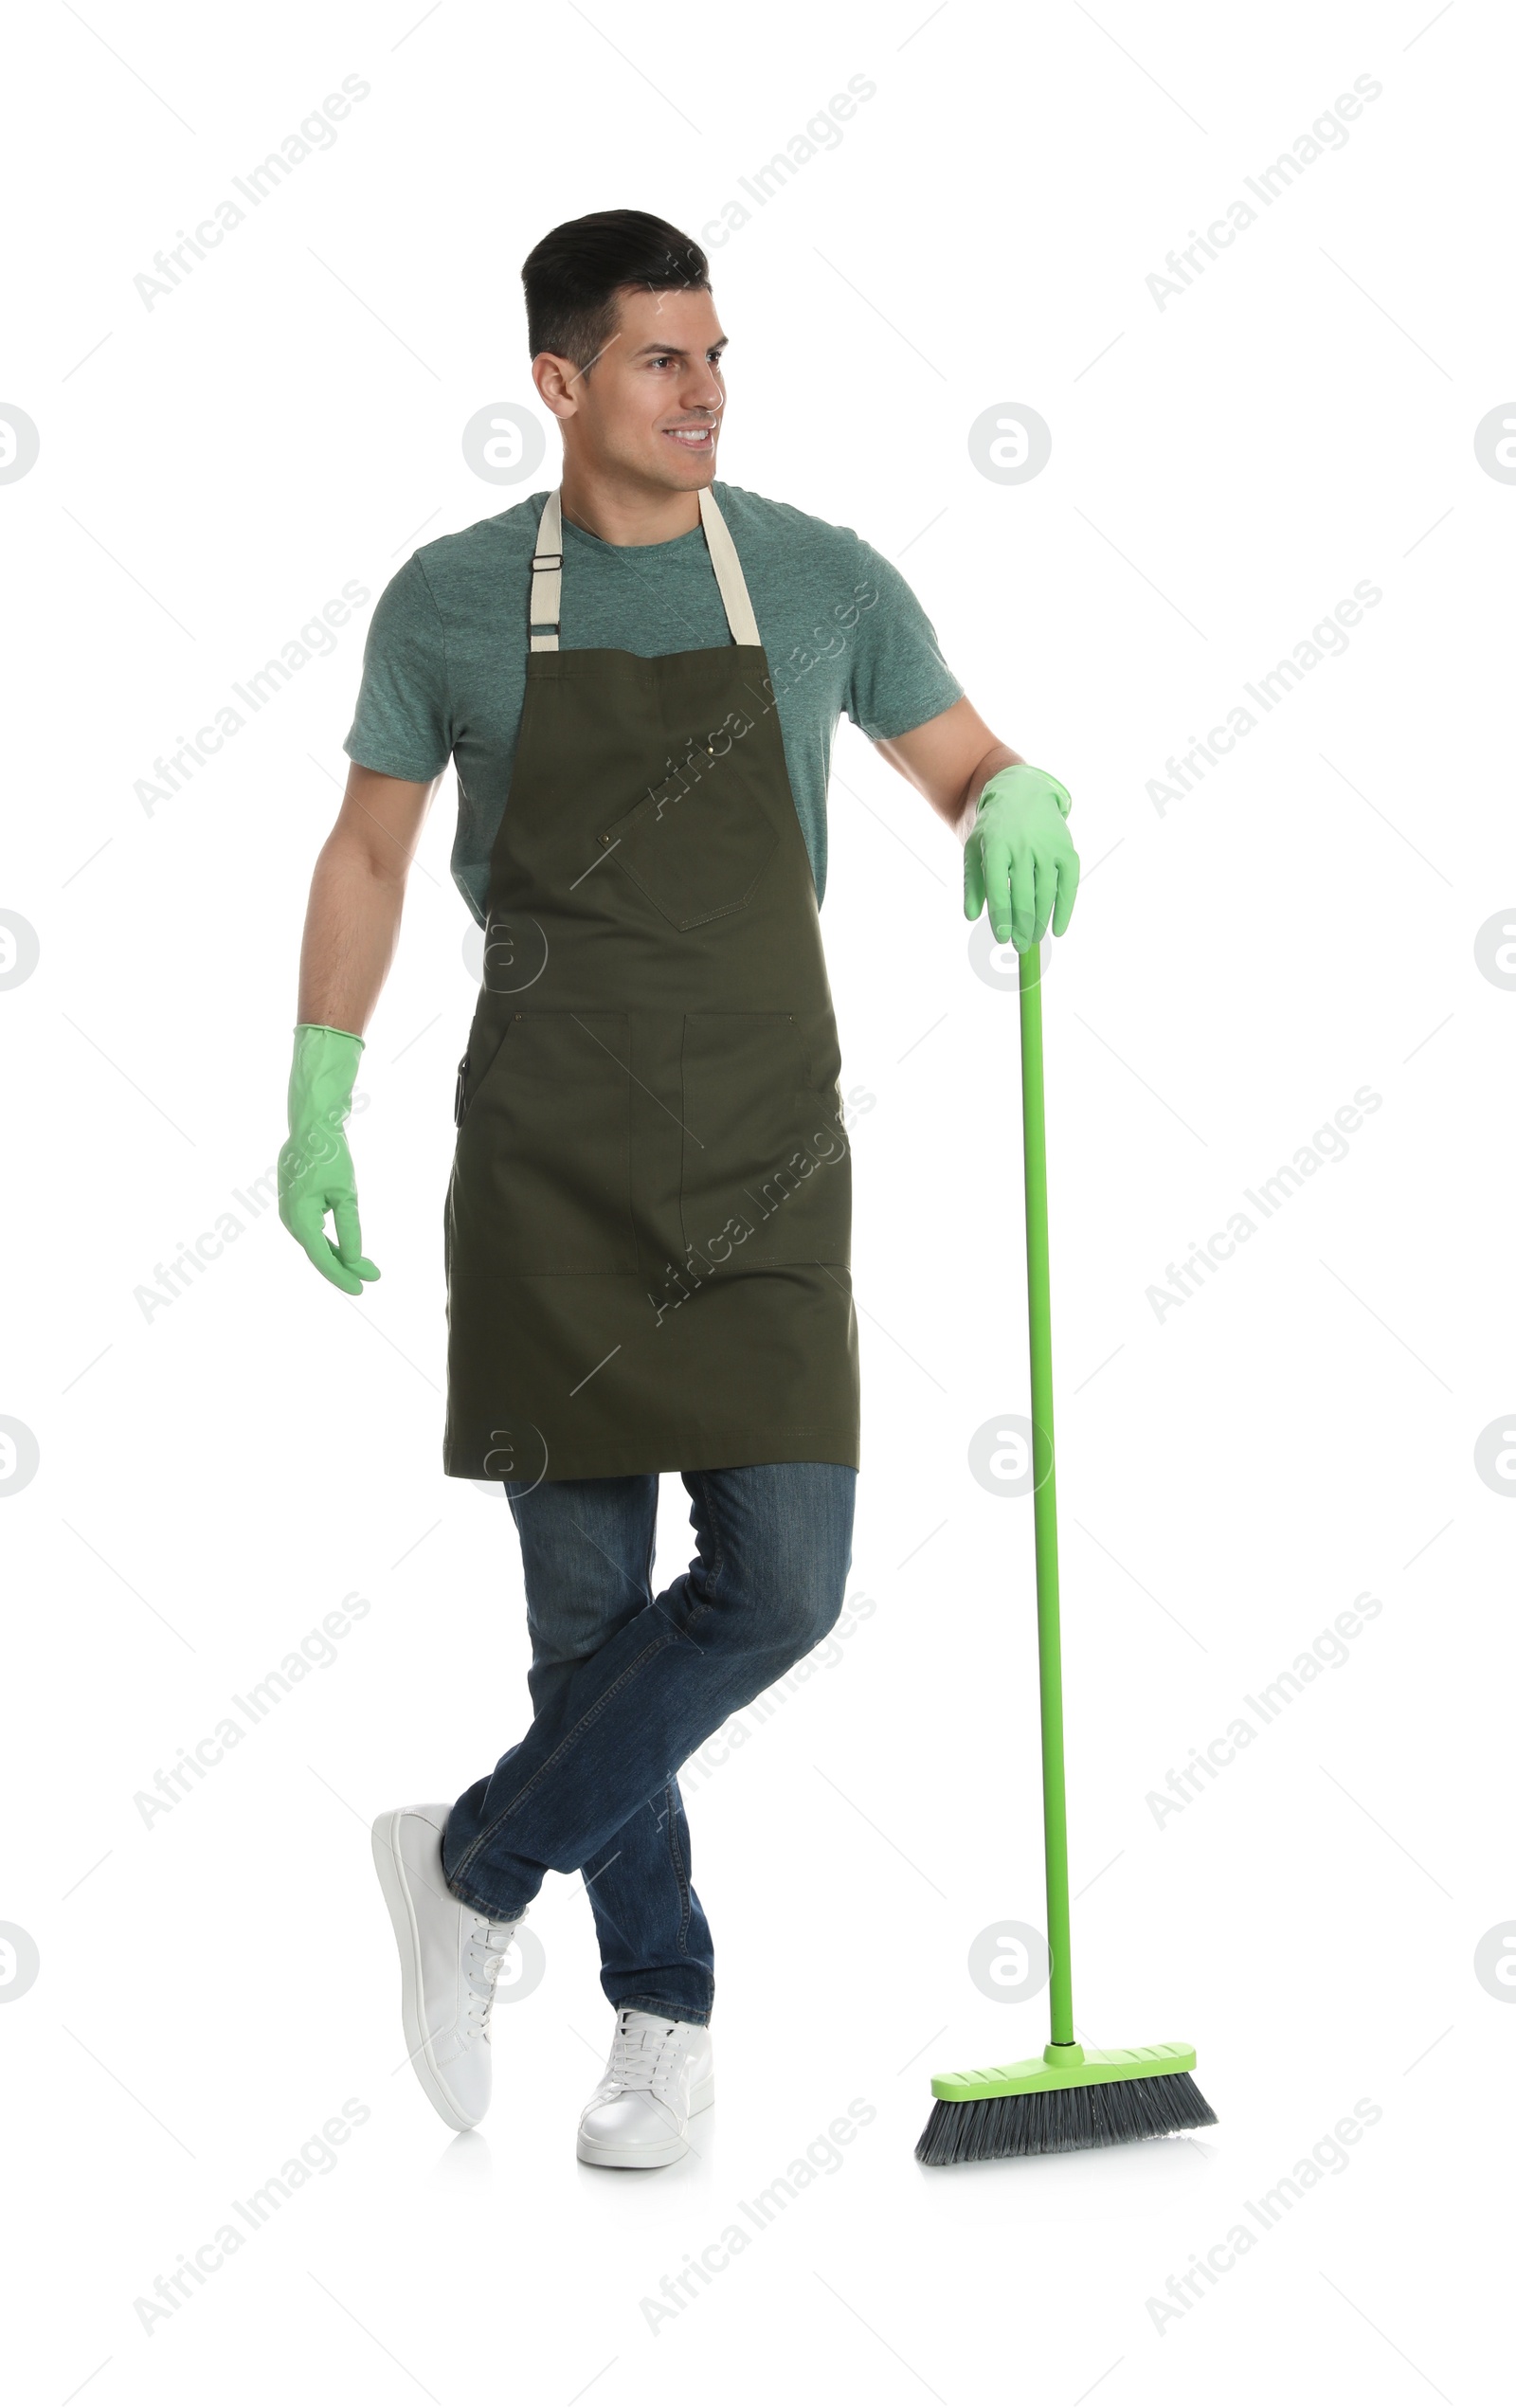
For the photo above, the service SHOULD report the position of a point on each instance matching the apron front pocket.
(542, 1176)
(697, 845)
(766, 1175)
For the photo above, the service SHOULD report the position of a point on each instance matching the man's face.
(652, 404)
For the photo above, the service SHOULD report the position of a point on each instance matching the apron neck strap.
(546, 605)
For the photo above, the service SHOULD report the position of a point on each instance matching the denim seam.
(712, 1516)
(681, 1871)
(481, 1905)
(648, 2005)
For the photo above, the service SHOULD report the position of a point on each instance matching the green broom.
(1070, 2097)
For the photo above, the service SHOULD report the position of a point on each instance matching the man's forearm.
(948, 759)
(351, 930)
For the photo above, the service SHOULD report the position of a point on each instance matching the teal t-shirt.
(444, 663)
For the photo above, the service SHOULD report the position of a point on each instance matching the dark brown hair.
(574, 274)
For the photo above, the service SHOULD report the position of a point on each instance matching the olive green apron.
(647, 1227)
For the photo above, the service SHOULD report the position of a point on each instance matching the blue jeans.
(626, 1685)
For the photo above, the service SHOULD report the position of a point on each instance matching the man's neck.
(622, 510)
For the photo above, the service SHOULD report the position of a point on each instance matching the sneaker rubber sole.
(398, 1899)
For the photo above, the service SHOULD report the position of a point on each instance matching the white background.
(215, 1479)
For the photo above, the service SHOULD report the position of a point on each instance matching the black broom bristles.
(1044, 2122)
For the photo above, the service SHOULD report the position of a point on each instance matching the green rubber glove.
(1021, 858)
(315, 1166)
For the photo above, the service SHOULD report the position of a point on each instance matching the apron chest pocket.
(697, 845)
(542, 1174)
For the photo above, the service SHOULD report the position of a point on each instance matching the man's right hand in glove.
(315, 1173)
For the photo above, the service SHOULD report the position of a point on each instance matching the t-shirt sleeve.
(404, 722)
(897, 675)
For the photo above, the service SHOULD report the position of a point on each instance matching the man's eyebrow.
(675, 351)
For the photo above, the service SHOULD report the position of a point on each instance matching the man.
(637, 678)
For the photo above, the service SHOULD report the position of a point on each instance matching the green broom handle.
(1045, 1509)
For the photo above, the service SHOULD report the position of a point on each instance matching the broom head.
(1071, 2098)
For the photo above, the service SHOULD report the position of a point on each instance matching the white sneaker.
(449, 1956)
(657, 2075)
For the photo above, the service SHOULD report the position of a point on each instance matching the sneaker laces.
(638, 2051)
(482, 1959)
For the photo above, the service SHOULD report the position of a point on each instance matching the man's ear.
(557, 381)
